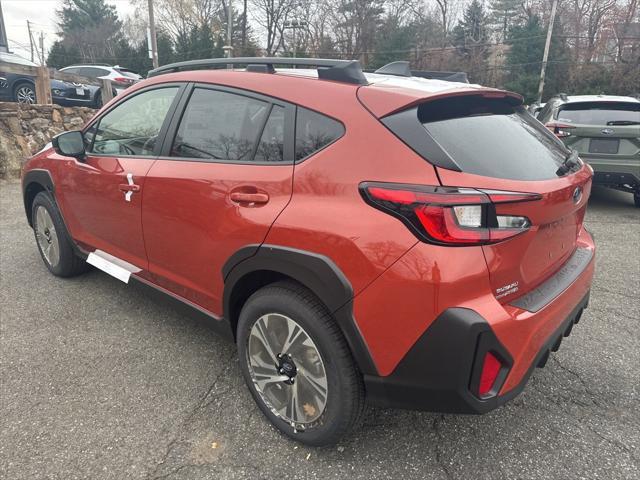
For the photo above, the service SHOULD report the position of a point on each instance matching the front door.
(101, 196)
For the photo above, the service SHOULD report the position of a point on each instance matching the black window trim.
(289, 127)
(295, 123)
(182, 86)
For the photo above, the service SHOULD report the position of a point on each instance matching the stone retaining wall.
(25, 129)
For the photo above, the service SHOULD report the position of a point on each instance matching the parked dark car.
(75, 94)
(22, 88)
(15, 87)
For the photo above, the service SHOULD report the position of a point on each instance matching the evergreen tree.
(90, 28)
(525, 58)
(471, 38)
(503, 15)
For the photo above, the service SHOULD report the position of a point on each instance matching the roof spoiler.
(345, 71)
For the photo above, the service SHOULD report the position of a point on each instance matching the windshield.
(600, 113)
(493, 137)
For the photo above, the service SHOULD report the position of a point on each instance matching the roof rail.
(402, 69)
(346, 71)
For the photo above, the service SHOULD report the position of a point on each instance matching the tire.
(323, 350)
(25, 93)
(53, 241)
(636, 199)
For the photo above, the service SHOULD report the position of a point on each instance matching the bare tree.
(271, 16)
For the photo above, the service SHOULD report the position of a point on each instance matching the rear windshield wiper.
(570, 162)
(622, 122)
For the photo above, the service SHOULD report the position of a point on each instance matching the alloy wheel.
(26, 94)
(47, 236)
(287, 370)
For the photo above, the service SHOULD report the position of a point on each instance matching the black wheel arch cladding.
(35, 181)
(316, 272)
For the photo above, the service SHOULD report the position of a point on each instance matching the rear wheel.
(636, 198)
(297, 365)
(53, 242)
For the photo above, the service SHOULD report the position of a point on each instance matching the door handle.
(129, 188)
(241, 197)
(125, 187)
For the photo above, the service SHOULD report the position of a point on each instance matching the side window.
(132, 127)
(271, 146)
(219, 126)
(93, 72)
(314, 131)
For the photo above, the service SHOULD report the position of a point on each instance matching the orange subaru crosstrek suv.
(363, 237)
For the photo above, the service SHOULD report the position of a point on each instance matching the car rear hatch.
(487, 142)
(607, 131)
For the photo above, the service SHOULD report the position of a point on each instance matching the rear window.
(600, 113)
(493, 137)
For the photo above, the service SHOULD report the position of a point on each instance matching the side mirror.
(69, 144)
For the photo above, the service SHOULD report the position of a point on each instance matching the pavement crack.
(592, 396)
(441, 463)
(200, 404)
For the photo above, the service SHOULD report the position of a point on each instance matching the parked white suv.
(121, 78)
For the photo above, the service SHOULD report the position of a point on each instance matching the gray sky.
(42, 14)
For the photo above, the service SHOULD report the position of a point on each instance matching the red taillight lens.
(490, 369)
(560, 130)
(449, 215)
(123, 80)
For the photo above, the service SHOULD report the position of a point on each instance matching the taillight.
(449, 215)
(123, 80)
(490, 369)
(560, 130)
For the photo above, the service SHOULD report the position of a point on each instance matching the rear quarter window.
(314, 132)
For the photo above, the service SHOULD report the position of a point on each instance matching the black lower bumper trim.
(615, 178)
(436, 374)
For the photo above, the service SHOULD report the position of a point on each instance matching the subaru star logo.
(577, 195)
(607, 131)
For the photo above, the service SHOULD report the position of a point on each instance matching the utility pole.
(545, 56)
(152, 34)
(41, 55)
(4, 44)
(30, 38)
(228, 48)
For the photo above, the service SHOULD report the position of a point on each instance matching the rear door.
(496, 145)
(225, 175)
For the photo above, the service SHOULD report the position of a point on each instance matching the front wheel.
(298, 366)
(53, 242)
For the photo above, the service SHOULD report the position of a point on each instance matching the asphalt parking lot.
(100, 381)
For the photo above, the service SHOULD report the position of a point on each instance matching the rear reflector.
(449, 215)
(490, 369)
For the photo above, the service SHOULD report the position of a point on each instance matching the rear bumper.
(436, 375)
(440, 370)
(615, 171)
(615, 178)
